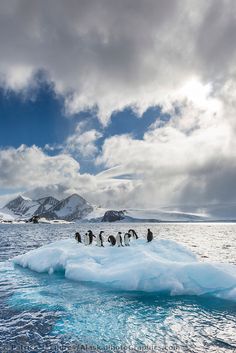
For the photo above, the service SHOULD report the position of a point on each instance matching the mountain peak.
(21, 206)
(75, 196)
(47, 199)
(71, 208)
(19, 199)
(22, 198)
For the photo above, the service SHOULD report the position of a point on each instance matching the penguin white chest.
(86, 239)
(118, 240)
(126, 239)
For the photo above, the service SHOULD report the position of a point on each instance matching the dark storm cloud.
(216, 39)
(107, 53)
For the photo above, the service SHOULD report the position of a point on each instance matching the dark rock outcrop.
(34, 219)
(113, 216)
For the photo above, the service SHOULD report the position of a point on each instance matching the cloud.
(30, 166)
(59, 191)
(82, 142)
(35, 174)
(188, 160)
(107, 55)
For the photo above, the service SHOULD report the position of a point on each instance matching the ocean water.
(48, 313)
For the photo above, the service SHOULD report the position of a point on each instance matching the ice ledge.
(162, 265)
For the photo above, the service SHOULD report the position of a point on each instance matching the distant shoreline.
(118, 222)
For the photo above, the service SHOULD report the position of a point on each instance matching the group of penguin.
(118, 240)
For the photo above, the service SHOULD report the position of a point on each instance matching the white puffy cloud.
(82, 142)
(31, 171)
(30, 166)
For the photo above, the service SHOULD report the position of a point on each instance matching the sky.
(129, 103)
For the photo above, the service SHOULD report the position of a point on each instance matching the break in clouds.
(108, 55)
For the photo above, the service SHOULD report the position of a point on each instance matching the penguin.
(112, 240)
(133, 233)
(119, 239)
(86, 239)
(127, 237)
(91, 236)
(100, 239)
(149, 236)
(78, 237)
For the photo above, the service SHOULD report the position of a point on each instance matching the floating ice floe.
(159, 266)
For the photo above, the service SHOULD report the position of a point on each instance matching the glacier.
(160, 266)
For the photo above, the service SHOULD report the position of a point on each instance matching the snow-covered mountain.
(163, 215)
(76, 208)
(71, 208)
(21, 206)
(6, 216)
(143, 215)
(45, 204)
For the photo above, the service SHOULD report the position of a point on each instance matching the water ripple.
(52, 314)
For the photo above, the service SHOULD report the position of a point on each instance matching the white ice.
(162, 265)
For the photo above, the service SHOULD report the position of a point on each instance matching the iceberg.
(160, 266)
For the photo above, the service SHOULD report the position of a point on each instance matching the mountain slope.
(71, 208)
(141, 215)
(45, 204)
(21, 206)
(6, 216)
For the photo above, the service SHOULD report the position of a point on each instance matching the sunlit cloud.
(104, 56)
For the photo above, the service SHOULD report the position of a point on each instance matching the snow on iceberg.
(162, 265)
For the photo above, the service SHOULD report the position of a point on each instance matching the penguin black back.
(78, 237)
(135, 235)
(149, 236)
(101, 238)
(112, 240)
(91, 236)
